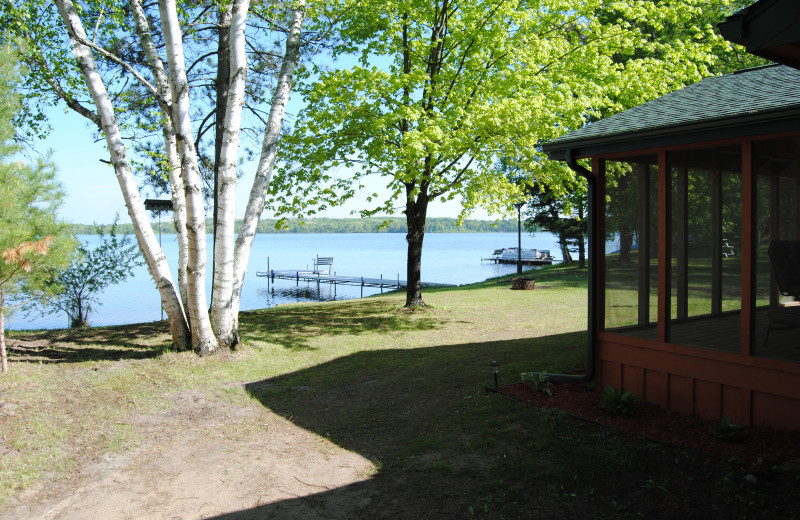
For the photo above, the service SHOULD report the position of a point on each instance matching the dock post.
(362, 286)
(268, 270)
(381, 283)
(297, 274)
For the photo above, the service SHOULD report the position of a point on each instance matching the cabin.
(695, 235)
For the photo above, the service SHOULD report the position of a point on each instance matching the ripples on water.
(453, 258)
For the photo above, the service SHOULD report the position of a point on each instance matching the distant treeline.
(336, 225)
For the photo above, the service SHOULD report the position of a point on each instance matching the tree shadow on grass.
(443, 447)
(137, 341)
(439, 441)
(293, 326)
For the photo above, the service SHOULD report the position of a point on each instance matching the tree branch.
(125, 65)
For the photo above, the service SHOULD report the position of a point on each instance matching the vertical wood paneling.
(633, 379)
(681, 394)
(736, 404)
(775, 411)
(707, 400)
(656, 387)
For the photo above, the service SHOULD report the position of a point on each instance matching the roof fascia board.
(717, 130)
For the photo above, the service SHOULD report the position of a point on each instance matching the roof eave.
(748, 125)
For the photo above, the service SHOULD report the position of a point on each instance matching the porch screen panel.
(776, 166)
(630, 272)
(705, 247)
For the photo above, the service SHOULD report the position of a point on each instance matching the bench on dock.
(323, 261)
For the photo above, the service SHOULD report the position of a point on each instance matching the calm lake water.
(453, 258)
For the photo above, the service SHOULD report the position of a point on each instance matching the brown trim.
(748, 247)
(774, 231)
(643, 232)
(599, 261)
(716, 242)
(664, 214)
(730, 129)
(693, 146)
(681, 220)
(734, 358)
(732, 371)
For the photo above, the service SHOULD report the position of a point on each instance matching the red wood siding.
(701, 382)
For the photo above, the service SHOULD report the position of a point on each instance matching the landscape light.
(495, 367)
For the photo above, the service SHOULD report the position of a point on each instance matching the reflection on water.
(307, 292)
(286, 291)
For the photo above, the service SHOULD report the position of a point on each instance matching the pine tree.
(35, 246)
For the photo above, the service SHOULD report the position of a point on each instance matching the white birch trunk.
(154, 256)
(170, 144)
(203, 340)
(269, 151)
(222, 318)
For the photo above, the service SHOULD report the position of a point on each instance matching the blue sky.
(93, 195)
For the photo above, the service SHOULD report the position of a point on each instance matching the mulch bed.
(649, 420)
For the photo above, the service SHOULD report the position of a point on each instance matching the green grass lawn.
(402, 389)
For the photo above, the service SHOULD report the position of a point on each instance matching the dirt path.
(199, 474)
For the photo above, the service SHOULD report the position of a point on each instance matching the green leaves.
(109, 263)
(33, 243)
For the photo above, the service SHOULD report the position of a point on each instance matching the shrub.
(727, 430)
(538, 382)
(618, 400)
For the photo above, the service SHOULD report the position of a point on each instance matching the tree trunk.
(582, 251)
(170, 145)
(154, 256)
(203, 340)
(416, 211)
(269, 151)
(3, 355)
(625, 246)
(221, 88)
(562, 243)
(222, 319)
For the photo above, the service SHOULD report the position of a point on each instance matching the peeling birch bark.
(170, 144)
(148, 244)
(222, 317)
(203, 340)
(269, 152)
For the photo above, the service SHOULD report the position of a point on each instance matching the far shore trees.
(441, 89)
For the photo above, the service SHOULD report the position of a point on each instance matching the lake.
(452, 258)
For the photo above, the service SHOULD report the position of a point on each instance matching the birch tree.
(130, 43)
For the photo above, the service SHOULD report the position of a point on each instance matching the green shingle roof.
(715, 108)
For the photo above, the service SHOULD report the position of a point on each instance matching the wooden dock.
(309, 275)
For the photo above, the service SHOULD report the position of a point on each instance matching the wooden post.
(643, 256)
(682, 248)
(664, 230)
(716, 242)
(774, 231)
(748, 247)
